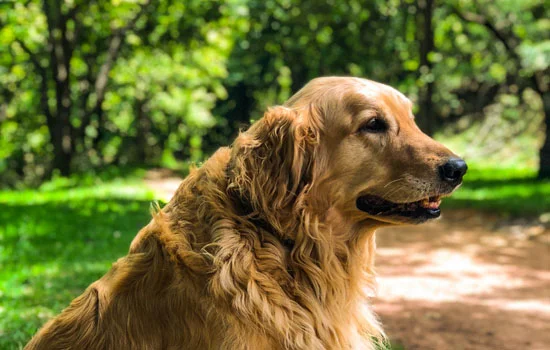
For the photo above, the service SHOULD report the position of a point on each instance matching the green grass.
(55, 241)
(513, 191)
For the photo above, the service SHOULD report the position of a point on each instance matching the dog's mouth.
(422, 210)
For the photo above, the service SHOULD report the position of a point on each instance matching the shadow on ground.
(465, 282)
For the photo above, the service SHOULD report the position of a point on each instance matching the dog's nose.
(453, 170)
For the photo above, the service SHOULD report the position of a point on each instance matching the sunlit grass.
(510, 190)
(117, 189)
(55, 241)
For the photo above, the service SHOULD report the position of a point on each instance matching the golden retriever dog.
(270, 244)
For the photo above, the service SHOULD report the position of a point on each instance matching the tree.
(289, 43)
(526, 44)
(72, 36)
(71, 61)
(425, 36)
(93, 83)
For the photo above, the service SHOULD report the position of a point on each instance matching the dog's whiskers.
(394, 191)
(394, 181)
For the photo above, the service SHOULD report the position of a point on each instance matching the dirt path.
(163, 182)
(466, 281)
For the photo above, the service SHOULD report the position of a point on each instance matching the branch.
(113, 50)
(31, 54)
(71, 15)
(535, 79)
(482, 20)
(90, 80)
(43, 81)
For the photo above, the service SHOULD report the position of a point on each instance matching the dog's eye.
(374, 125)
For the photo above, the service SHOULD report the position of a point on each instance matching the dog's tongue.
(431, 203)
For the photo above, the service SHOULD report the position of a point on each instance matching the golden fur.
(212, 270)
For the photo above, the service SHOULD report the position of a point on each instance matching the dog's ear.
(271, 162)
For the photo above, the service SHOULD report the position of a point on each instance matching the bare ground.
(466, 281)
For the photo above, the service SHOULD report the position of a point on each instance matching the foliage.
(85, 84)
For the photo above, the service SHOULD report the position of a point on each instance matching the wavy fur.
(211, 271)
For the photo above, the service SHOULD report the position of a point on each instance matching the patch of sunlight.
(532, 305)
(446, 276)
(131, 191)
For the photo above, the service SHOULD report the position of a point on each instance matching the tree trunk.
(62, 135)
(62, 151)
(237, 115)
(60, 128)
(544, 153)
(426, 116)
(143, 125)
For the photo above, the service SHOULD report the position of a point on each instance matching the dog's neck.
(324, 261)
(244, 208)
(342, 229)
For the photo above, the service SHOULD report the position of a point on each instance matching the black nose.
(453, 170)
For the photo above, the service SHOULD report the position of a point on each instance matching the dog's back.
(153, 298)
(141, 303)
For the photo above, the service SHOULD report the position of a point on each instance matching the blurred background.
(104, 104)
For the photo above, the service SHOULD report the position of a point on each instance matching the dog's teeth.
(430, 203)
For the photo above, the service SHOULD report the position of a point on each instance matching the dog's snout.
(453, 170)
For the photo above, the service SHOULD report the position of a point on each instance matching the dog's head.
(349, 144)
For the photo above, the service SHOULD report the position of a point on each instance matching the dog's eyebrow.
(356, 103)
